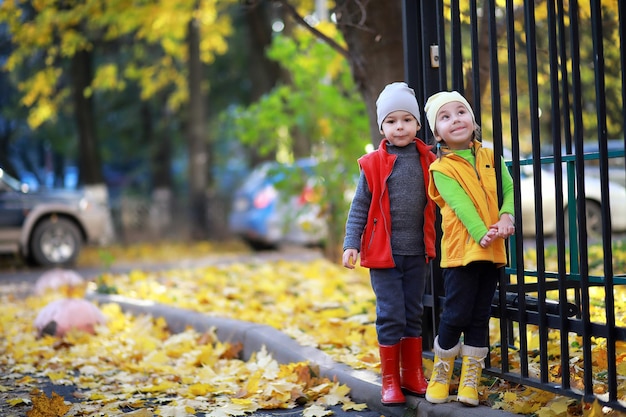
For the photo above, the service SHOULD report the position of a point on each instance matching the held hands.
(504, 228)
(489, 237)
(349, 258)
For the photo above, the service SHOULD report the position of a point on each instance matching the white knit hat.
(436, 101)
(396, 96)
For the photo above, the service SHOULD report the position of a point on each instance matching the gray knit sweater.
(407, 198)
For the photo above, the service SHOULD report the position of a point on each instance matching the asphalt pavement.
(364, 385)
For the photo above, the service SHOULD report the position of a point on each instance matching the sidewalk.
(364, 385)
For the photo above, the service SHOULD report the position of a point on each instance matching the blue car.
(279, 204)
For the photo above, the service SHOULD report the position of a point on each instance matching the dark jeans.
(399, 298)
(469, 291)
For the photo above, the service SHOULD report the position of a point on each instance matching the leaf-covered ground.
(133, 363)
(134, 366)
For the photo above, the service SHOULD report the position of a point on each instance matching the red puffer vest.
(376, 239)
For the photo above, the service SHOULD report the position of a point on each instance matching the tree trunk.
(89, 160)
(376, 48)
(5, 162)
(264, 73)
(160, 157)
(162, 151)
(197, 146)
(301, 144)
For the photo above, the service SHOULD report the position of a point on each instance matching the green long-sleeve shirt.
(454, 195)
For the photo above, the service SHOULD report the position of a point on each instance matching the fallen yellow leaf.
(43, 406)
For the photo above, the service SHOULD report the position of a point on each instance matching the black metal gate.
(546, 81)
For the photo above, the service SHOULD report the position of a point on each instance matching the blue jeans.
(399, 298)
(469, 291)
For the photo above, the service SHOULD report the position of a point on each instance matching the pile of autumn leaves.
(135, 364)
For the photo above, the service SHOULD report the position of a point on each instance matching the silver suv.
(48, 227)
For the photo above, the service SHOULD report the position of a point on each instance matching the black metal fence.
(546, 81)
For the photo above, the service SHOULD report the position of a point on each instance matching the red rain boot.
(411, 370)
(390, 372)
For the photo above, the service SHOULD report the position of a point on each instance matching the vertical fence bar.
(475, 99)
(496, 115)
(531, 48)
(598, 42)
(518, 240)
(565, 93)
(412, 52)
(577, 131)
(441, 36)
(456, 60)
(586, 331)
(556, 50)
(621, 7)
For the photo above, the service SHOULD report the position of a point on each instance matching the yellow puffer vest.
(458, 248)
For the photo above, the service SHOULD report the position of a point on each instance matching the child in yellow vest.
(463, 184)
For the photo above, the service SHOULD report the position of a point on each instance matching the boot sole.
(468, 401)
(436, 400)
(393, 404)
(415, 393)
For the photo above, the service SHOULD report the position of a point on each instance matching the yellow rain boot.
(439, 386)
(471, 370)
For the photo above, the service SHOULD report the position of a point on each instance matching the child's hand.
(349, 258)
(505, 227)
(489, 237)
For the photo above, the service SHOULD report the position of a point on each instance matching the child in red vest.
(391, 226)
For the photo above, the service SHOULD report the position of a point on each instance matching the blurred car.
(593, 200)
(48, 227)
(616, 162)
(279, 204)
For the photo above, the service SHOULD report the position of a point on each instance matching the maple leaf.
(338, 394)
(43, 406)
(316, 410)
(349, 405)
(559, 407)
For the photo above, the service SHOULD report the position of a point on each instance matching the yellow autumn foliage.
(57, 32)
(134, 359)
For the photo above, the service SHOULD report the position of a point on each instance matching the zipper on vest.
(369, 245)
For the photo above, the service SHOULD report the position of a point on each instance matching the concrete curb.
(364, 385)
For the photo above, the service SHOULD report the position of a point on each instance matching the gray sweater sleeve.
(357, 215)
